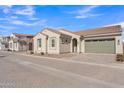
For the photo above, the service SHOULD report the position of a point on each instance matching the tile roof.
(54, 30)
(103, 30)
(22, 35)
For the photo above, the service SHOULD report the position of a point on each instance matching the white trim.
(119, 33)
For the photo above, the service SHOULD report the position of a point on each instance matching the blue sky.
(32, 19)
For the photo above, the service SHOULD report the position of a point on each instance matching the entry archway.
(74, 45)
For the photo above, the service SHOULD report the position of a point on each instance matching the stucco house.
(107, 40)
(20, 42)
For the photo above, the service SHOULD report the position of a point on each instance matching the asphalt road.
(28, 71)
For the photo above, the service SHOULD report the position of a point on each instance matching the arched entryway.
(74, 45)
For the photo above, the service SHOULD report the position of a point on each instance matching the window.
(66, 40)
(118, 42)
(10, 45)
(39, 42)
(53, 42)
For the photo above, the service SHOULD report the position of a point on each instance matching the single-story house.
(107, 40)
(20, 42)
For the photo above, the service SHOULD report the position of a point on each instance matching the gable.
(68, 33)
(50, 33)
(39, 35)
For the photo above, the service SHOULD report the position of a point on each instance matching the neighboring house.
(20, 42)
(4, 43)
(2, 46)
(106, 40)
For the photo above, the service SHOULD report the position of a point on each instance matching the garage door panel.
(100, 46)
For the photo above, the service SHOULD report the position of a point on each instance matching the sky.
(29, 19)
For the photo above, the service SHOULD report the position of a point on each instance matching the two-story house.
(20, 42)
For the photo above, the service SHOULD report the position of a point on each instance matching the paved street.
(28, 71)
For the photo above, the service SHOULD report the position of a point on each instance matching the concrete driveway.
(94, 58)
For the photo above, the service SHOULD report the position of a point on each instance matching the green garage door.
(100, 46)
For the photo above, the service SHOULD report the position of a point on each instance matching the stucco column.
(119, 45)
(82, 46)
(78, 45)
(71, 45)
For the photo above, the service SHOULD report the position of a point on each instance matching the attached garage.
(100, 46)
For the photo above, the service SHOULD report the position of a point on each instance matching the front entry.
(74, 45)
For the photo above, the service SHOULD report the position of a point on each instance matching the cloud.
(33, 18)
(86, 16)
(7, 9)
(27, 11)
(13, 17)
(4, 19)
(119, 23)
(8, 18)
(24, 23)
(85, 12)
(5, 30)
(7, 27)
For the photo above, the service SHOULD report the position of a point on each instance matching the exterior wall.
(119, 47)
(71, 43)
(78, 45)
(64, 48)
(65, 45)
(51, 34)
(43, 43)
(11, 45)
(82, 46)
(2, 47)
(14, 46)
(20, 47)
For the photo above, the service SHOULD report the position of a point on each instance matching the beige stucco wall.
(82, 46)
(21, 47)
(14, 47)
(43, 43)
(51, 34)
(119, 47)
(64, 48)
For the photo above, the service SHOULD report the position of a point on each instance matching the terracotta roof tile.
(22, 35)
(54, 30)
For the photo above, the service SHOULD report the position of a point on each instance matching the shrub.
(31, 52)
(42, 53)
(9, 50)
(120, 57)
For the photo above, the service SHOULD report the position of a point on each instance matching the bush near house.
(120, 57)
